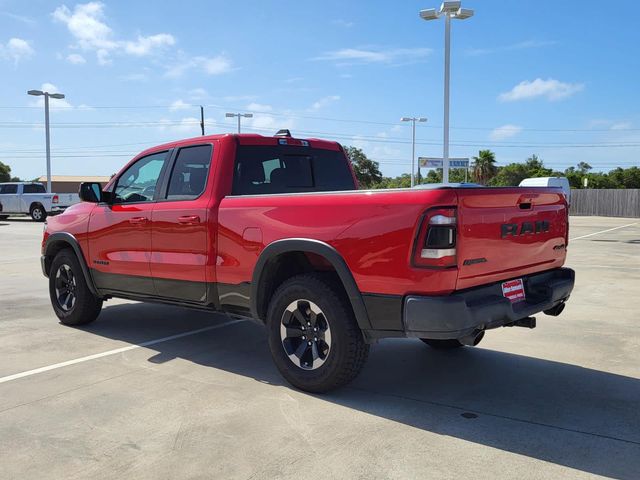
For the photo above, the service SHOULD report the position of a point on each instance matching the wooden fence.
(606, 202)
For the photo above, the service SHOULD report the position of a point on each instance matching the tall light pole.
(58, 96)
(413, 120)
(239, 115)
(448, 10)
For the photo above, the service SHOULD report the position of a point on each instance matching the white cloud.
(210, 65)
(76, 58)
(323, 102)
(621, 126)
(87, 24)
(179, 105)
(134, 77)
(259, 107)
(349, 56)
(504, 132)
(20, 18)
(550, 89)
(186, 125)
(62, 104)
(148, 45)
(16, 50)
(262, 122)
(198, 94)
(342, 23)
(527, 44)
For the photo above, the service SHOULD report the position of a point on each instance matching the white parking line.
(603, 231)
(35, 371)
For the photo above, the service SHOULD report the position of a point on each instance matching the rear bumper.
(481, 308)
(57, 209)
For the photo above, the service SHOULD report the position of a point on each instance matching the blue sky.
(559, 79)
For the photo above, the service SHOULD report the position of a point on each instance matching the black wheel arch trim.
(312, 246)
(70, 240)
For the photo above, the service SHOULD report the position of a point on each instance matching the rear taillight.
(55, 199)
(436, 242)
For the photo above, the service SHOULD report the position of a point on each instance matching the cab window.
(190, 171)
(138, 183)
(8, 189)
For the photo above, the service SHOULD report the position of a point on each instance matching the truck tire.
(4, 217)
(314, 338)
(72, 301)
(38, 213)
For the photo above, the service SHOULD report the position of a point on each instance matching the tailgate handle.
(524, 206)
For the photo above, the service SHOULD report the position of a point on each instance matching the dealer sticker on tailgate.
(513, 290)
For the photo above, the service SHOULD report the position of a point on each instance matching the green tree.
(367, 171)
(514, 173)
(484, 168)
(5, 172)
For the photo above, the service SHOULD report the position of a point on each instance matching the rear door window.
(34, 188)
(269, 169)
(190, 171)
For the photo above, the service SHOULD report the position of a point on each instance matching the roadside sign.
(431, 162)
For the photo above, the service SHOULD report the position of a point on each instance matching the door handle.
(189, 220)
(138, 220)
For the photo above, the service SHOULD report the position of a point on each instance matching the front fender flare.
(68, 239)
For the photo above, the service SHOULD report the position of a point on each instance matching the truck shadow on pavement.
(565, 414)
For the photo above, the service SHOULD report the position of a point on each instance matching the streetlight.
(58, 96)
(413, 120)
(448, 10)
(239, 115)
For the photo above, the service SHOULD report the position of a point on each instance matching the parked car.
(30, 198)
(557, 182)
(274, 229)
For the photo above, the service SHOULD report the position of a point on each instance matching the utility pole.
(59, 96)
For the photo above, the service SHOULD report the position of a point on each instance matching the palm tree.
(484, 168)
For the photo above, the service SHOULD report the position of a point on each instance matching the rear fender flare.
(312, 246)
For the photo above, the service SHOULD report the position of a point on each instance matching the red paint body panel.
(374, 231)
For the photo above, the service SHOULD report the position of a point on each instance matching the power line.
(88, 108)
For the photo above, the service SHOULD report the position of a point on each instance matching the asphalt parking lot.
(560, 401)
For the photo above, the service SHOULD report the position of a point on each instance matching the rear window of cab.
(272, 169)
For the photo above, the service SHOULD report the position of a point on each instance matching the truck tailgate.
(505, 233)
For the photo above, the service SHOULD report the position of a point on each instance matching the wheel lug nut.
(315, 339)
(315, 329)
(308, 323)
(304, 337)
(309, 343)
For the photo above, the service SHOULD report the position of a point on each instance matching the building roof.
(75, 178)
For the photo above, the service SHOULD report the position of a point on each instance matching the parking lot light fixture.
(47, 95)
(413, 121)
(239, 115)
(448, 10)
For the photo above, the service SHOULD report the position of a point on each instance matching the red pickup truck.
(275, 229)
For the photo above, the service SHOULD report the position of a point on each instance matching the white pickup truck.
(30, 198)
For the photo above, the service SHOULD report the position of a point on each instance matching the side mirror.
(91, 192)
